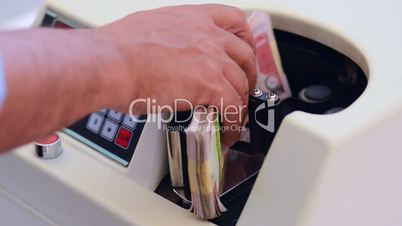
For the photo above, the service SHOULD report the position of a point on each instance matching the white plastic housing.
(341, 169)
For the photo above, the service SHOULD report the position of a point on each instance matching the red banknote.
(270, 75)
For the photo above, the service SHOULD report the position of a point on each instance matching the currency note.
(175, 159)
(270, 74)
(205, 163)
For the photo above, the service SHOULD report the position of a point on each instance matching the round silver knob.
(272, 97)
(257, 93)
(48, 147)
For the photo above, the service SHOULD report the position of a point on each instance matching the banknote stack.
(270, 74)
(205, 164)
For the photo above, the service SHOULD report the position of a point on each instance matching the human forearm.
(54, 77)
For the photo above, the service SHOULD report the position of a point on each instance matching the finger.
(231, 19)
(237, 78)
(246, 35)
(243, 55)
(230, 103)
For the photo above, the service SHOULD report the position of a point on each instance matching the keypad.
(129, 122)
(123, 137)
(103, 111)
(115, 115)
(95, 122)
(109, 130)
(111, 127)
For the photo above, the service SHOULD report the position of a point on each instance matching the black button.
(316, 93)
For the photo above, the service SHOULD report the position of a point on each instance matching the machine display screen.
(109, 132)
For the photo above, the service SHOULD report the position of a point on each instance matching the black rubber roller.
(315, 94)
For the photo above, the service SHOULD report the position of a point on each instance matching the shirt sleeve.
(2, 83)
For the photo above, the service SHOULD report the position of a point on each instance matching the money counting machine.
(334, 158)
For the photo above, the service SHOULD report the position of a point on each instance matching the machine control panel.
(109, 132)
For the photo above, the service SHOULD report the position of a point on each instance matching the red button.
(47, 140)
(123, 137)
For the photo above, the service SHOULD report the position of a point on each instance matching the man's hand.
(199, 53)
(55, 76)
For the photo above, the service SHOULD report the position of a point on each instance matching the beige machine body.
(340, 169)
